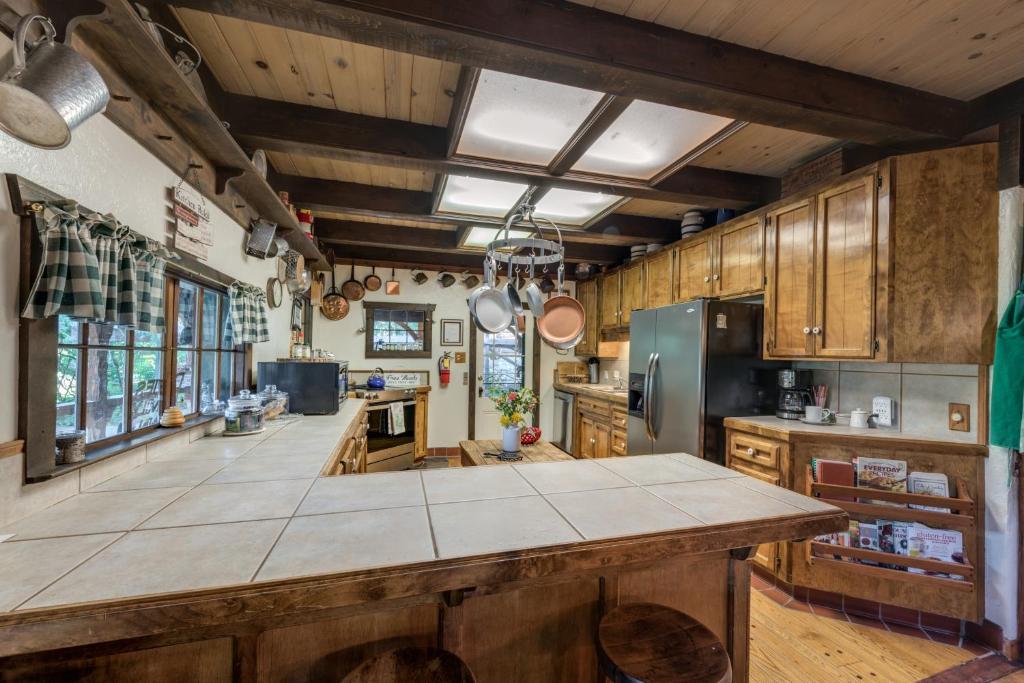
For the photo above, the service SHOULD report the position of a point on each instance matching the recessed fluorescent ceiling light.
(646, 138)
(479, 196)
(479, 237)
(522, 119)
(573, 206)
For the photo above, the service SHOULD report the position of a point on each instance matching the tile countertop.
(770, 423)
(228, 512)
(592, 391)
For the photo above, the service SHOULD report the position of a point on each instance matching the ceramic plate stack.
(693, 222)
(637, 251)
(651, 248)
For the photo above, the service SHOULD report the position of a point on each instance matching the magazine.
(882, 475)
(929, 484)
(945, 545)
(892, 538)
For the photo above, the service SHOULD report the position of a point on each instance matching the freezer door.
(642, 330)
(677, 382)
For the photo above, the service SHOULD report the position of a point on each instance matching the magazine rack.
(961, 517)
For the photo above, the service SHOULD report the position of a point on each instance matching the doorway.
(501, 362)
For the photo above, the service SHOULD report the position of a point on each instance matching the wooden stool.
(412, 665)
(645, 643)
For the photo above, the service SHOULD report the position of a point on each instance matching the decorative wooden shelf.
(125, 40)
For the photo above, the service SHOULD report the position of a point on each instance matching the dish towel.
(1008, 377)
(396, 417)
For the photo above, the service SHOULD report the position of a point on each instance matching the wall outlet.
(960, 417)
(884, 409)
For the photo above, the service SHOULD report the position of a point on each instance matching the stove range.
(385, 395)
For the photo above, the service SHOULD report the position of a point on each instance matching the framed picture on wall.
(451, 332)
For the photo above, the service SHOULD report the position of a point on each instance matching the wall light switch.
(960, 417)
(460, 356)
(465, 379)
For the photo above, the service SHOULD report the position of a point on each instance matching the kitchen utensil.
(419, 277)
(489, 307)
(316, 290)
(334, 306)
(278, 247)
(275, 292)
(376, 379)
(859, 418)
(50, 90)
(534, 297)
(372, 281)
(546, 285)
(353, 289)
(817, 414)
(564, 318)
(446, 279)
(469, 280)
(392, 287)
(513, 295)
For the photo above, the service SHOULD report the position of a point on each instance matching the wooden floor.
(797, 645)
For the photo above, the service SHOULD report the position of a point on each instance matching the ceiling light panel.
(479, 237)
(573, 206)
(479, 196)
(522, 120)
(647, 138)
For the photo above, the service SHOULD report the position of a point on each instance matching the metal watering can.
(50, 90)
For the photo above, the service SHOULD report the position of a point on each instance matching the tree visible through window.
(504, 361)
(398, 330)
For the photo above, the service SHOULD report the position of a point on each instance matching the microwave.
(313, 387)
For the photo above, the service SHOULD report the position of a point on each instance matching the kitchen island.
(477, 453)
(508, 567)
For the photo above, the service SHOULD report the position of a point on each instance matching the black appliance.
(794, 393)
(314, 388)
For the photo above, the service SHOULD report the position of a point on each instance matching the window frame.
(369, 310)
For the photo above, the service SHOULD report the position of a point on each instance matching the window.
(111, 380)
(398, 330)
(504, 361)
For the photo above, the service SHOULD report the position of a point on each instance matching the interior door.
(789, 295)
(694, 267)
(845, 272)
(740, 268)
(503, 361)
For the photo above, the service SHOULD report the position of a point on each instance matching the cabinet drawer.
(763, 452)
(596, 408)
(619, 442)
(756, 474)
(619, 418)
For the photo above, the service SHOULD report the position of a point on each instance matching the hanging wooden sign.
(193, 233)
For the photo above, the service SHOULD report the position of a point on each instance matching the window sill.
(134, 442)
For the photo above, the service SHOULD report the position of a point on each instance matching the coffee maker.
(794, 393)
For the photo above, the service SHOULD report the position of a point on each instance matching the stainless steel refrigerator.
(691, 365)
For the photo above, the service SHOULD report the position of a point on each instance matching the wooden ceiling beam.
(597, 122)
(584, 47)
(318, 132)
(389, 257)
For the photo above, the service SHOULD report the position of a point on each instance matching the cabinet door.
(694, 267)
(844, 311)
(588, 437)
(767, 553)
(740, 259)
(602, 440)
(586, 293)
(789, 294)
(660, 279)
(422, 419)
(632, 296)
(609, 295)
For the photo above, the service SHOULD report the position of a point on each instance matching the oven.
(391, 435)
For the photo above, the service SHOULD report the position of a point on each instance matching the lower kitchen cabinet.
(600, 428)
(595, 438)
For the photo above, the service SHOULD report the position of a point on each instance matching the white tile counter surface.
(229, 511)
(842, 428)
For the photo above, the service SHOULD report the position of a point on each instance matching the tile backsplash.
(922, 392)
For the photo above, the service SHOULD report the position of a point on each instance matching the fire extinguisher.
(444, 368)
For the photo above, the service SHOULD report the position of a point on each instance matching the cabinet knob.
(593, 440)
(816, 330)
(715, 276)
(707, 278)
(750, 451)
(807, 330)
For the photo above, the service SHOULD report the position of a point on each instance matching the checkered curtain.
(247, 322)
(96, 269)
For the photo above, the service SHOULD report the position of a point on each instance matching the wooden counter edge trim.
(867, 440)
(224, 608)
(16, 447)
(596, 394)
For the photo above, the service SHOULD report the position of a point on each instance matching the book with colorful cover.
(945, 545)
(882, 474)
(929, 484)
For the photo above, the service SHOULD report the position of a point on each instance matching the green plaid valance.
(247, 320)
(94, 268)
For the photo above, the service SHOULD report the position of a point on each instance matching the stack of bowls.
(653, 247)
(693, 222)
(637, 251)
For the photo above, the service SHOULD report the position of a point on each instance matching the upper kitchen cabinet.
(586, 293)
(660, 278)
(631, 294)
(694, 268)
(739, 258)
(610, 300)
(890, 263)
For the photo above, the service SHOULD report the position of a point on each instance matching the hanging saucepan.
(534, 297)
(564, 318)
(512, 293)
(488, 305)
(334, 306)
(49, 90)
(372, 282)
(353, 289)
(546, 285)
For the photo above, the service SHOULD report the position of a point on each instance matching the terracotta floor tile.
(825, 599)
(828, 612)
(865, 621)
(976, 649)
(947, 638)
(911, 631)
(892, 614)
(799, 606)
(936, 622)
(777, 596)
(864, 608)
(757, 583)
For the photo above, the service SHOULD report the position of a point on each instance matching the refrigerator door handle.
(647, 397)
(650, 405)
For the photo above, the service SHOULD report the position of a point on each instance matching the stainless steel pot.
(50, 90)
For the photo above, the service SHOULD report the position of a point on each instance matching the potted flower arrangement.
(513, 406)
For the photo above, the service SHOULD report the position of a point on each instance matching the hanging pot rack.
(527, 252)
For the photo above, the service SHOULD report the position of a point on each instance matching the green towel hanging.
(1007, 403)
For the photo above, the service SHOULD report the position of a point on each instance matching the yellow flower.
(504, 421)
(516, 418)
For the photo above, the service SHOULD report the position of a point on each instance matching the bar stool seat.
(646, 643)
(412, 665)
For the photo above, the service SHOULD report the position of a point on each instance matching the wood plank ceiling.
(376, 170)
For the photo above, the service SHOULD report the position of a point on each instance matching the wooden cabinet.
(660, 278)
(610, 300)
(422, 419)
(586, 293)
(694, 268)
(739, 258)
(762, 459)
(631, 291)
(789, 295)
(597, 423)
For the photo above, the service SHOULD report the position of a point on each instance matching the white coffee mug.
(859, 418)
(817, 414)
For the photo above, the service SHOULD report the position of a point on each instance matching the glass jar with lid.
(274, 401)
(244, 414)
